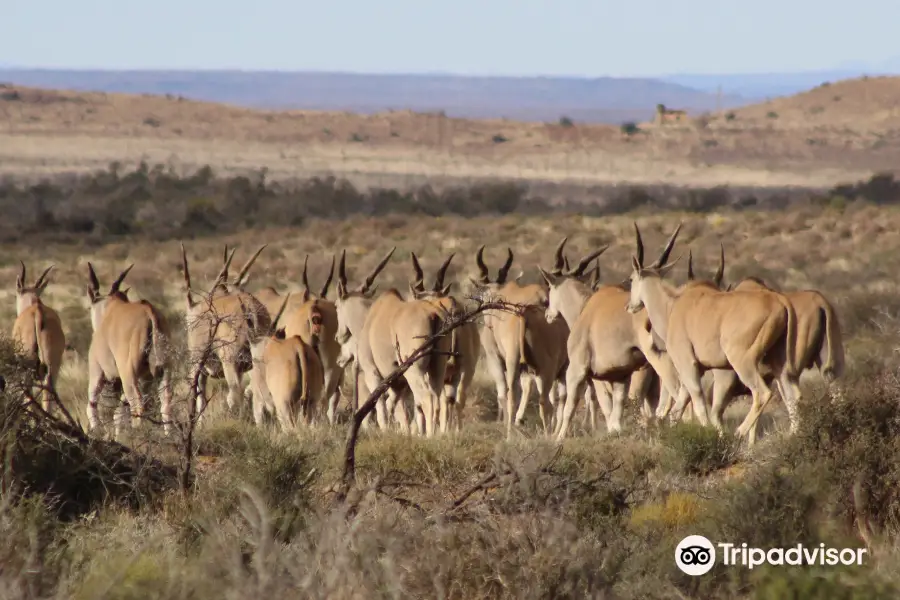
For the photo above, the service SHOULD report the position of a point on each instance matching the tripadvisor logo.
(696, 555)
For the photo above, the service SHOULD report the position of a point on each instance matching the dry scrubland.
(598, 518)
(844, 130)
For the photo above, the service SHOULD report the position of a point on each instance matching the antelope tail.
(790, 353)
(43, 363)
(831, 354)
(454, 348)
(39, 349)
(304, 380)
(523, 357)
(157, 356)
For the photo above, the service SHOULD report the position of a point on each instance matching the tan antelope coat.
(705, 329)
(130, 345)
(39, 333)
(465, 346)
(287, 376)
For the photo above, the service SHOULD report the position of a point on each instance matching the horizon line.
(447, 74)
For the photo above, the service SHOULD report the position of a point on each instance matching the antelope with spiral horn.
(38, 330)
(465, 347)
(129, 345)
(703, 329)
(520, 350)
(221, 326)
(287, 376)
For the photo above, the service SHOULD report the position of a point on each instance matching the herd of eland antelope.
(643, 339)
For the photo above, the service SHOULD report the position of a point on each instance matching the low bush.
(854, 440)
(698, 450)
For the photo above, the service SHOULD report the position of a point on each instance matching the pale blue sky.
(490, 37)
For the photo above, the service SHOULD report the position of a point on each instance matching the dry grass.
(598, 519)
(837, 250)
(786, 142)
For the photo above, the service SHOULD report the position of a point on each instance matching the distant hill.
(863, 104)
(771, 85)
(599, 100)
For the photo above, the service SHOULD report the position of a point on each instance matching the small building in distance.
(665, 115)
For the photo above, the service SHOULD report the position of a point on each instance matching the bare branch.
(455, 321)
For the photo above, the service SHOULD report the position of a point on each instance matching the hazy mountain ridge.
(770, 85)
(604, 99)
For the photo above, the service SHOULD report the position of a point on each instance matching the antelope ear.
(341, 290)
(20, 279)
(446, 290)
(664, 270)
(635, 264)
(550, 278)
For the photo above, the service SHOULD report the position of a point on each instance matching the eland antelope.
(221, 327)
(819, 341)
(608, 345)
(819, 344)
(723, 380)
(520, 348)
(128, 346)
(351, 307)
(465, 347)
(704, 329)
(315, 320)
(38, 330)
(666, 400)
(567, 298)
(287, 376)
(393, 331)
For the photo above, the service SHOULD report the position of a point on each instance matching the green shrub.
(699, 450)
(779, 500)
(630, 128)
(854, 440)
(277, 468)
